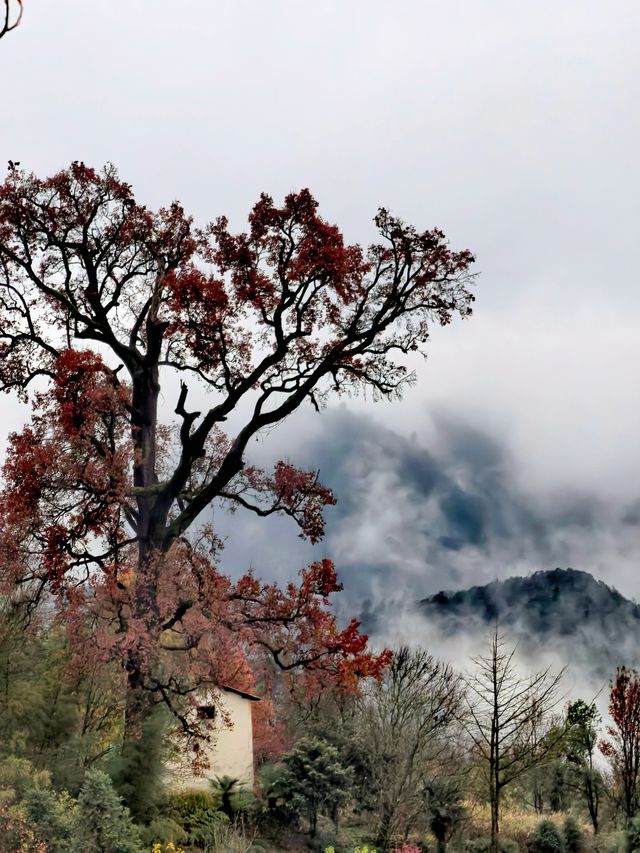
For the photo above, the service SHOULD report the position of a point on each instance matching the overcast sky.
(514, 127)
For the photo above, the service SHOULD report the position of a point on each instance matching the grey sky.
(515, 127)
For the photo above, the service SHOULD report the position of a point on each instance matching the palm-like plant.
(226, 790)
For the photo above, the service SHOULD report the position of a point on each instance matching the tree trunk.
(385, 829)
(538, 799)
(592, 802)
(495, 819)
(313, 823)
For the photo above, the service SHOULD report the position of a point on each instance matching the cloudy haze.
(515, 128)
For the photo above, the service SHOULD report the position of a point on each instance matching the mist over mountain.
(564, 614)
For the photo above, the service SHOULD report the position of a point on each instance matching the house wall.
(230, 755)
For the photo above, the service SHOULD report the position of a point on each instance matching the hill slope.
(568, 613)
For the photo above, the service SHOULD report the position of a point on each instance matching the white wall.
(229, 754)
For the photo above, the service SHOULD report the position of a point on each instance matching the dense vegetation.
(401, 765)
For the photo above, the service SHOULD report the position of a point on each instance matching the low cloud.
(413, 518)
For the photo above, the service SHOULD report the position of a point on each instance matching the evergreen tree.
(103, 824)
(314, 781)
(138, 771)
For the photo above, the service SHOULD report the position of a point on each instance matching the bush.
(162, 830)
(137, 771)
(483, 845)
(52, 816)
(547, 839)
(102, 824)
(15, 833)
(18, 775)
(573, 837)
(356, 850)
(633, 834)
(231, 796)
(197, 814)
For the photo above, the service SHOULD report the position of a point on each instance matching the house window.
(207, 712)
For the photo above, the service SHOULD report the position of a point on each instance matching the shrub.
(15, 833)
(52, 816)
(102, 824)
(360, 850)
(633, 834)
(162, 830)
(547, 839)
(197, 814)
(573, 837)
(483, 845)
(229, 838)
(230, 796)
(18, 775)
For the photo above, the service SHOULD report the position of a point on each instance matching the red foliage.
(101, 299)
(623, 750)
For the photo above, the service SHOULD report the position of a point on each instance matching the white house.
(230, 752)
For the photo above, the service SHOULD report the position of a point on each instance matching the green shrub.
(356, 850)
(52, 816)
(162, 830)
(102, 823)
(483, 845)
(231, 796)
(633, 834)
(573, 837)
(18, 775)
(547, 839)
(197, 814)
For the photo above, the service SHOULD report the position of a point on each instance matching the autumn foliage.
(102, 302)
(623, 746)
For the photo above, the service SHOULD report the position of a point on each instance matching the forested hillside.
(590, 624)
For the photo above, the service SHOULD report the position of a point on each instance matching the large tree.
(107, 308)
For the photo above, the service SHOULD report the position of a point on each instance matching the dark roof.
(242, 693)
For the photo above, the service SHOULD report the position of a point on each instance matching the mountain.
(563, 613)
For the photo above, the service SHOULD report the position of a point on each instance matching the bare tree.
(506, 720)
(10, 19)
(407, 722)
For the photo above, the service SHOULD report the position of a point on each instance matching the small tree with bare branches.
(506, 720)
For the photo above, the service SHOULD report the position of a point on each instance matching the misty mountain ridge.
(582, 621)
